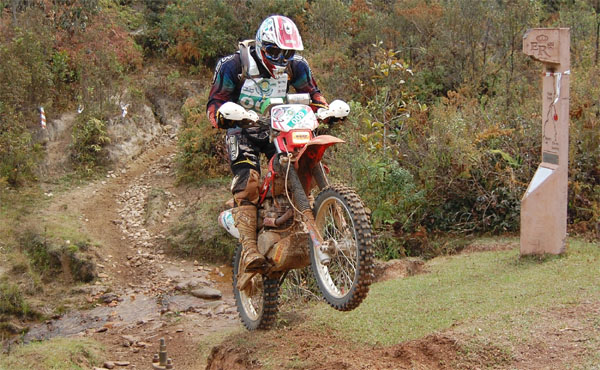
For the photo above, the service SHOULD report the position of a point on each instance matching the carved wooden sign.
(544, 205)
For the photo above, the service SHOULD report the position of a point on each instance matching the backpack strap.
(249, 67)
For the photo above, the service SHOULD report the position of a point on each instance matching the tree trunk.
(597, 37)
(14, 6)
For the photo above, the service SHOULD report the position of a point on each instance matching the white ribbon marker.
(558, 76)
(124, 110)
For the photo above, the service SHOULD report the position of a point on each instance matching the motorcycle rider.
(263, 68)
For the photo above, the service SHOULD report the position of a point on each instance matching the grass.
(197, 232)
(55, 354)
(15, 207)
(463, 288)
(65, 226)
(11, 301)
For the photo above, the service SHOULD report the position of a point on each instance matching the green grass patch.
(15, 207)
(55, 354)
(12, 301)
(466, 287)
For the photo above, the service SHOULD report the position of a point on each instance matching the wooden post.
(544, 205)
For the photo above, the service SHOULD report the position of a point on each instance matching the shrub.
(202, 152)
(12, 302)
(88, 141)
(48, 258)
(202, 32)
(26, 80)
(18, 153)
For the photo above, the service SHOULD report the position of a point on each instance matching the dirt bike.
(332, 234)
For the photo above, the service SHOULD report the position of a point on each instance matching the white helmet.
(277, 39)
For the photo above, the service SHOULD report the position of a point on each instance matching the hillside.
(109, 237)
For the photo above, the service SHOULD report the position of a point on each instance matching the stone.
(109, 297)
(122, 363)
(109, 364)
(207, 293)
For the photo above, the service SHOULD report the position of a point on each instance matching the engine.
(276, 212)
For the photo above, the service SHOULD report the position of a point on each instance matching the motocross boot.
(245, 221)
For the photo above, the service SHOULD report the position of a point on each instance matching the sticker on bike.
(293, 117)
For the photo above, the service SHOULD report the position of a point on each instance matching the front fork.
(303, 204)
(318, 173)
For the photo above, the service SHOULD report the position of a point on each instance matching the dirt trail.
(143, 294)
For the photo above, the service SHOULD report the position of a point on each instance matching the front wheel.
(257, 302)
(343, 265)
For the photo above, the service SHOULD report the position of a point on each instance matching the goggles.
(277, 55)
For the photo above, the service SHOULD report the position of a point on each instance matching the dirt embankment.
(560, 340)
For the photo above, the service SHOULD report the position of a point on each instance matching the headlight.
(300, 137)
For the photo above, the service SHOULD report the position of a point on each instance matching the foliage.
(11, 301)
(202, 154)
(194, 32)
(89, 139)
(329, 19)
(18, 152)
(199, 31)
(36, 247)
(73, 16)
(466, 129)
(26, 81)
(49, 256)
(584, 167)
(445, 105)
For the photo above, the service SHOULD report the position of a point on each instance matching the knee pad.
(245, 187)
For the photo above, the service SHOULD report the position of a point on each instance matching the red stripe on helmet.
(287, 34)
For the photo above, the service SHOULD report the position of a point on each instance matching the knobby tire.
(355, 210)
(267, 313)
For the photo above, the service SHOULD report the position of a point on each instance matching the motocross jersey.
(250, 89)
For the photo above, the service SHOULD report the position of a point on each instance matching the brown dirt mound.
(431, 352)
(319, 351)
(227, 356)
(396, 269)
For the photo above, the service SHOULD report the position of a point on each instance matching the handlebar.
(248, 118)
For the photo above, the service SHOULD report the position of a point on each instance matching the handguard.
(235, 112)
(337, 109)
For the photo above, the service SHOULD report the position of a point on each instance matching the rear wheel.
(343, 265)
(257, 303)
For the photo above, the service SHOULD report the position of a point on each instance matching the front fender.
(311, 155)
